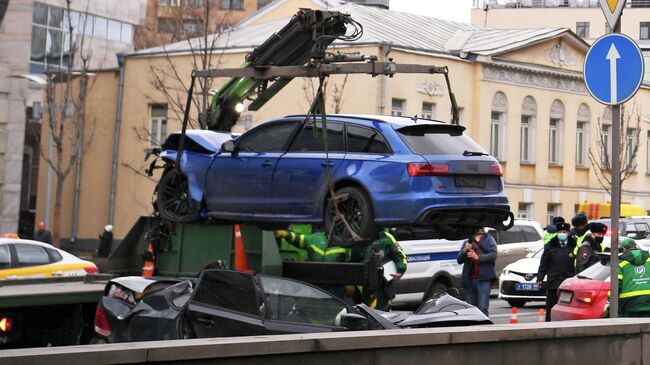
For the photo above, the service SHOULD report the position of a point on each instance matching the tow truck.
(181, 249)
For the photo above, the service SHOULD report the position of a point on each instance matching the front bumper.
(507, 290)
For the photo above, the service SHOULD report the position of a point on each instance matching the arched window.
(582, 134)
(527, 134)
(498, 125)
(556, 126)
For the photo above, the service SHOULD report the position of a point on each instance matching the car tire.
(358, 212)
(435, 288)
(516, 303)
(173, 199)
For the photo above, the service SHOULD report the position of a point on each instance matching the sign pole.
(615, 206)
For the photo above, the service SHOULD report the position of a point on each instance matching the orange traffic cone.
(149, 263)
(241, 261)
(513, 316)
(542, 316)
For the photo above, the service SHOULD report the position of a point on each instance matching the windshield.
(426, 139)
(597, 271)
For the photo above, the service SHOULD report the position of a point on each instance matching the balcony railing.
(502, 4)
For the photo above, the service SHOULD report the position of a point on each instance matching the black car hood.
(440, 311)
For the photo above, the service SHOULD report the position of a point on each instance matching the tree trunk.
(56, 227)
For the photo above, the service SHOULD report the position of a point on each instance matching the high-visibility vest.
(579, 240)
(635, 280)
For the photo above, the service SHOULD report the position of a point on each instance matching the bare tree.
(335, 95)
(629, 140)
(66, 91)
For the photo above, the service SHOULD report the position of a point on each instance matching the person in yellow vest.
(579, 232)
(591, 245)
(550, 231)
(634, 281)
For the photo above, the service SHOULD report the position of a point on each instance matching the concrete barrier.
(593, 342)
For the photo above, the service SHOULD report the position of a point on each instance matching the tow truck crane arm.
(305, 37)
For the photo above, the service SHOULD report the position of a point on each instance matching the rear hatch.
(455, 162)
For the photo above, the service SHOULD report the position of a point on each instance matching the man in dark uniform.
(591, 245)
(557, 262)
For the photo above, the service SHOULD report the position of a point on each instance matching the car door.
(239, 183)
(29, 262)
(226, 303)
(509, 247)
(295, 307)
(532, 240)
(300, 177)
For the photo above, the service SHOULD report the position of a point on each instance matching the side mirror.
(354, 322)
(228, 146)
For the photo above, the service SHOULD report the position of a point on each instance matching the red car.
(583, 296)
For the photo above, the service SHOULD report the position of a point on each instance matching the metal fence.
(552, 4)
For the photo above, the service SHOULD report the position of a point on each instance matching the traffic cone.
(513, 316)
(542, 316)
(149, 264)
(241, 261)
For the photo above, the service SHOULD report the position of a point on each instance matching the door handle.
(267, 164)
(57, 273)
(12, 277)
(325, 164)
(505, 252)
(205, 321)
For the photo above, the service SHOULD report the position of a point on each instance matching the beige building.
(520, 92)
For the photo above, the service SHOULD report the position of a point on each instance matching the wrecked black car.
(229, 303)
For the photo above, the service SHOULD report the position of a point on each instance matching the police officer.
(550, 231)
(634, 280)
(387, 247)
(556, 263)
(591, 245)
(316, 245)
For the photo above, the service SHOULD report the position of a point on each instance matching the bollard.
(542, 316)
(513, 316)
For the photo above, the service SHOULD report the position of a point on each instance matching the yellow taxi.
(23, 259)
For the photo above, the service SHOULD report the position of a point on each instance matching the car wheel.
(436, 288)
(173, 200)
(357, 210)
(516, 303)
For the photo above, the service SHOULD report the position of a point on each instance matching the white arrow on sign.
(612, 56)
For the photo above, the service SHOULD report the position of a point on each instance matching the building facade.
(33, 36)
(520, 93)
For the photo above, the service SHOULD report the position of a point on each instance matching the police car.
(23, 259)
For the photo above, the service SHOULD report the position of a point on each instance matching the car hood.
(524, 266)
(440, 311)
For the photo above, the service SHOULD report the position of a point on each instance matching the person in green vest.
(579, 232)
(634, 281)
(390, 251)
(317, 246)
(550, 231)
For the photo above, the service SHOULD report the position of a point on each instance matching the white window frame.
(397, 111)
(552, 210)
(525, 143)
(157, 134)
(581, 144)
(555, 134)
(629, 145)
(498, 120)
(429, 113)
(526, 212)
(585, 26)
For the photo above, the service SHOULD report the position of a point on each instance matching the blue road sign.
(613, 69)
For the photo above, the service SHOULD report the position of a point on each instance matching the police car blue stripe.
(436, 256)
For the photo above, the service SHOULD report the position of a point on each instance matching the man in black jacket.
(591, 245)
(556, 263)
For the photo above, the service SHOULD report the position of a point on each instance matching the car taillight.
(91, 269)
(497, 169)
(427, 169)
(5, 324)
(586, 296)
(102, 327)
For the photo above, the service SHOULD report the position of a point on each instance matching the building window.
(580, 144)
(552, 211)
(498, 126)
(191, 26)
(648, 153)
(526, 142)
(644, 31)
(157, 125)
(582, 29)
(170, 2)
(231, 4)
(525, 211)
(428, 110)
(397, 107)
(555, 133)
(630, 146)
(263, 3)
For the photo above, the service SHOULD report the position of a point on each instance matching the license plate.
(470, 182)
(566, 296)
(526, 286)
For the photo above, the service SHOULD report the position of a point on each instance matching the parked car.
(24, 259)
(388, 171)
(583, 296)
(231, 303)
(637, 228)
(523, 238)
(518, 281)
(432, 268)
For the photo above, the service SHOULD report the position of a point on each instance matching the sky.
(457, 10)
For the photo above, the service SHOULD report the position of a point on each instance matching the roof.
(401, 30)
(396, 120)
